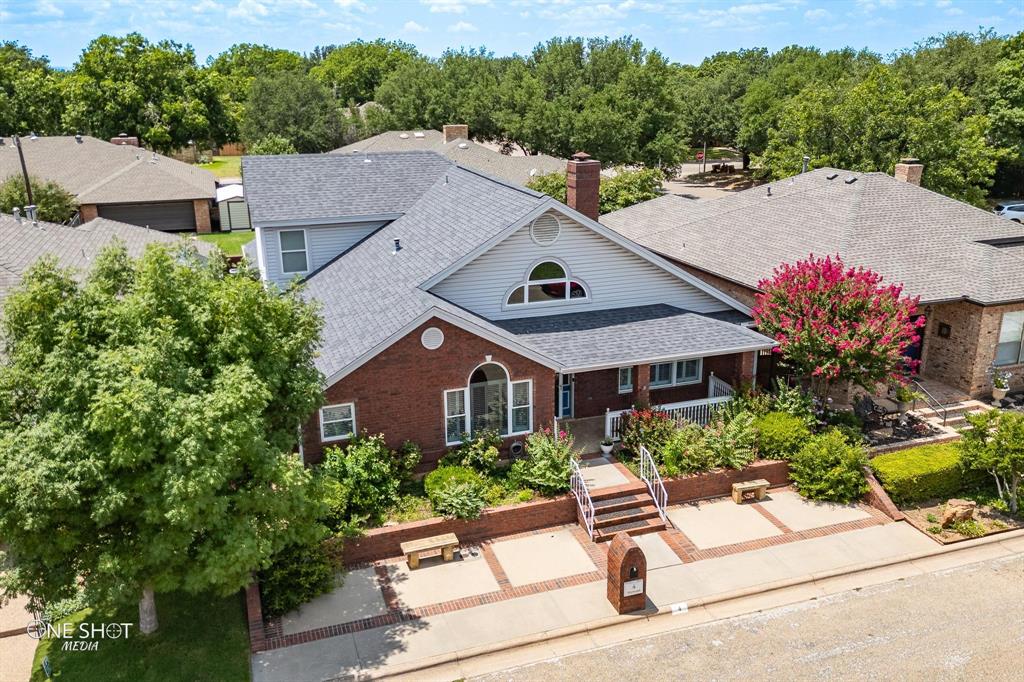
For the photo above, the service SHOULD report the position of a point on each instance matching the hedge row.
(923, 473)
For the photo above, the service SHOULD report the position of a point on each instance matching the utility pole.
(31, 208)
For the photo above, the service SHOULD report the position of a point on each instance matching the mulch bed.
(913, 428)
(927, 518)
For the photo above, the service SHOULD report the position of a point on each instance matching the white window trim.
(625, 388)
(673, 383)
(508, 416)
(526, 283)
(304, 251)
(328, 439)
(464, 414)
(512, 406)
(1020, 350)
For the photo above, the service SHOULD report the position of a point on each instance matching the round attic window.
(432, 338)
(545, 229)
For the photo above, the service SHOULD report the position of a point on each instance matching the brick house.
(118, 180)
(965, 264)
(456, 302)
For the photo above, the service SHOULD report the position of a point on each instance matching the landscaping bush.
(296, 575)
(478, 452)
(922, 473)
(650, 428)
(688, 452)
(547, 464)
(456, 491)
(362, 481)
(828, 467)
(780, 435)
(448, 475)
(733, 442)
(794, 401)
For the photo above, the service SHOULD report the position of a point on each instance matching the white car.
(1014, 212)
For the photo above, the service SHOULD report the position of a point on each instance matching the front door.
(565, 395)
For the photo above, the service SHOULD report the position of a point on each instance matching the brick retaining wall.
(254, 614)
(719, 483)
(879, 499)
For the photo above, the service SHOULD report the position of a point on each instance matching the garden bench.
(446, 543)
(758, 487)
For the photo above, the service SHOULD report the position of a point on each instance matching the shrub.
(447, 475)
(733, 442)
(297, 574)
(546, 467)
(780, 435)
(479, 453)
(969, 528)
(828, 467)
(687, 451)
(922, 473)
(794, 401)
(459, 500)
(650, 428)
(366, 477)
(846, 418)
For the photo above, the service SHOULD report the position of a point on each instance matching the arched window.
(490, 402)
(546, 282)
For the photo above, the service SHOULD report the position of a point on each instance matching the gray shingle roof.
(517, 169)
(22, 244)
(623, 336)
(98, 172)
(331, 186)
(908, 234)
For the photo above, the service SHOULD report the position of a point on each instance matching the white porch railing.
(718, 388)
(578, 485)
(649, 474)
(696, 411)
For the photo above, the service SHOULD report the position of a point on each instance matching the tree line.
(955, 100)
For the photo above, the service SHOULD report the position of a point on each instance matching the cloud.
(204, 6)
(452, 6)
(413, 27)
(351, 4)
(816, 14)
(48, 9)
(462, 27)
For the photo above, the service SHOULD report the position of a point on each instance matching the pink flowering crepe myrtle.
(835, 323)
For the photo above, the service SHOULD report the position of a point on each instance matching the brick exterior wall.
(202, 211)
(400, 392)
(744, 295)
(582, 185)
(88, 212)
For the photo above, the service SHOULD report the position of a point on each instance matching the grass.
(229, 242)
(224, 166)
(201, 637)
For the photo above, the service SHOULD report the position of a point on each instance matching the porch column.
(641, 385)
(747, 368)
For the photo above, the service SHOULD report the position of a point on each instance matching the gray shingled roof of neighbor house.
(613, 338)
(99, 172)
(23, 243)
(517, 169)
(928, 242)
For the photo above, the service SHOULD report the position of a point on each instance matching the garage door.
(177, 215)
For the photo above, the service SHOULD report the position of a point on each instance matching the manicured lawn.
(229, 242)
(224, 166)
(201, 637)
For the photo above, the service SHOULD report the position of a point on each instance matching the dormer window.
(547, 282)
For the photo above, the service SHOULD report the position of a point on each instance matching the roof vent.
(807, 160)
(404, 136)
(544, 230)
(832, 176)
(17, 214)
(769, 190)
(418, 134)
(33, 136)
(463, 145)
(78, 138)
(397, 247)
(533, 172)
(850, 180)
(152, 159)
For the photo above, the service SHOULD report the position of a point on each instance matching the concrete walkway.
(17, 651)
(671, 584)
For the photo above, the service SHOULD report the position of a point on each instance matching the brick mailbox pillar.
(627, 575)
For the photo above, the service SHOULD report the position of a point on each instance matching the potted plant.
(606, 446)
(1000, 383)
(905, 397)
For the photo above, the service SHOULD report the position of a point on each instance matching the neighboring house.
(120, 181)
(454, 143)
(965, 264)
(23, 242)
(456, 302)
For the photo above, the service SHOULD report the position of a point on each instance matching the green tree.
(353, 72)
(148, 420)
(1007, 109)
(625, 188)
(271, 144)
(293, 106)
(994, 443)
(30, 95)
(53, 203)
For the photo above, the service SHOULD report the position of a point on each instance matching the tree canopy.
(353, 72)
(54, 204)
(294, 106)
(625, 188)
(148, 416)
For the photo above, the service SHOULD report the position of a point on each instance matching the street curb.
(602, 623)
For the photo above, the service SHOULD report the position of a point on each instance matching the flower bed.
(927, 517)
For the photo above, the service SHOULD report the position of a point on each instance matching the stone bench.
(446, 543)
(758, 487)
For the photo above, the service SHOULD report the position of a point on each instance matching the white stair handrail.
(649, 474)
(578, 485)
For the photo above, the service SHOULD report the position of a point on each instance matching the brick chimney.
(123, 139)
(582, 181)
(909, 170)
(454, 132)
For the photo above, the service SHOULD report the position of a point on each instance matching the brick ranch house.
(456, 302)
(965, 264)
(118, 180)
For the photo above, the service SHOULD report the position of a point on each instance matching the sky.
(685, 31)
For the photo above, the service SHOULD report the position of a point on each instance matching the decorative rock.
(958, 510)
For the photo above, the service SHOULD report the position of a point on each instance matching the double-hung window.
(522, 408)
(1010, 349)
(337, 422)
(454, 416)
(293, 251)
(625, 379)
(678, 373)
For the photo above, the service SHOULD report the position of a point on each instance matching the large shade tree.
(836, 323)
(292, 105)
(148, 416)
(53, 203)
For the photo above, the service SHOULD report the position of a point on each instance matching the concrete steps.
(621, 516)
(954, 413)
(639, 527)
(630, 510)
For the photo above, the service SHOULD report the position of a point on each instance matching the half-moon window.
(547, 282)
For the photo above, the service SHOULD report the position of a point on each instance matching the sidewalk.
(16, 651)
(450, 635)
